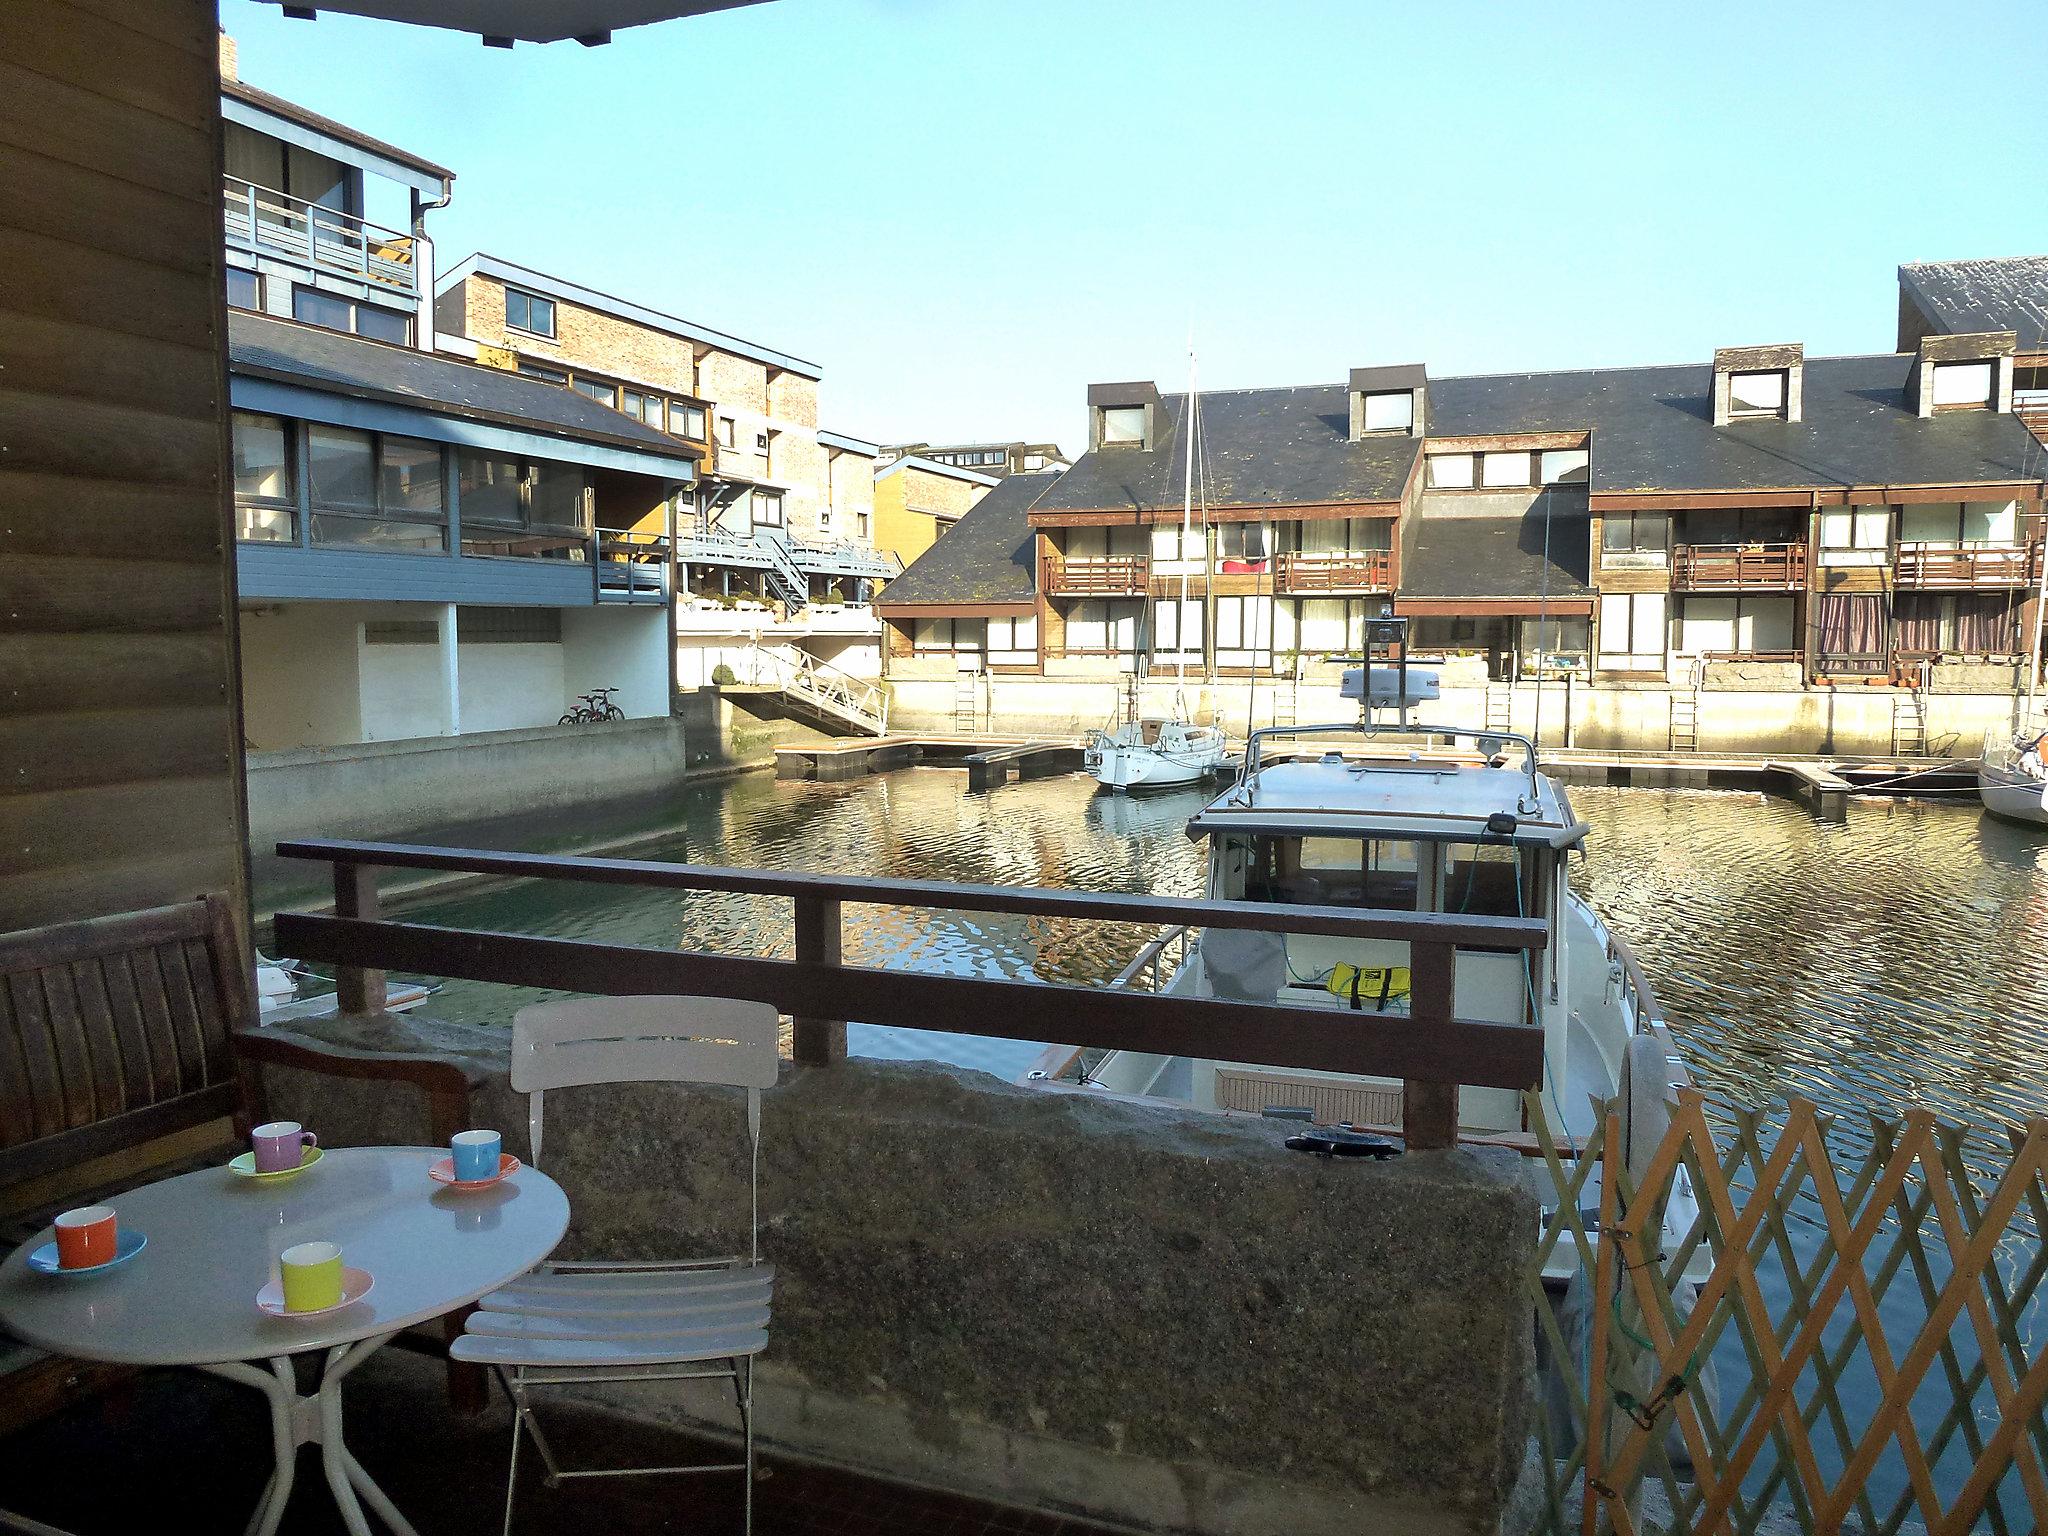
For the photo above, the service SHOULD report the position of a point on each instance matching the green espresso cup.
(311, 1275)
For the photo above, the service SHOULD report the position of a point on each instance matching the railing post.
(357, 991)
(818, 1042)
(1429, 1111)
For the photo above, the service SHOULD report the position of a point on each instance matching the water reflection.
(1892, 961)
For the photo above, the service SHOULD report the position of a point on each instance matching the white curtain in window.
(1322, 625)
(1962, 383)
(1991, 522)
(1707, 624)
(1646, 628)
(1505, 469)
(1450, 471)
(1088, 627)
(1393, 412)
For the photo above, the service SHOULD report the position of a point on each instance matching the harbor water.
(1895, 961)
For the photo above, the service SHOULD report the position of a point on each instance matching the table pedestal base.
(297, 1419)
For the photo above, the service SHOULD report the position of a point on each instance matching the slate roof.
(1469, 546)
(1652, 429)
(1994, 294)
(241, 90)
(988, 556)
(260, 346)
(1265, 447)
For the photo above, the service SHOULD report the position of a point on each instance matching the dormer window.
(1123, 424)
(1963, 386)
(1390, 411)
(1761, 393)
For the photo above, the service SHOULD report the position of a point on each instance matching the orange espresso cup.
(85, 1237)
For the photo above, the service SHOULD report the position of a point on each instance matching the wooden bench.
(129, 1049)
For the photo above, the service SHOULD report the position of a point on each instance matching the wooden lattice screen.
(1868, 1350)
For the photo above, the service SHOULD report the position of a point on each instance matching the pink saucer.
(443, 1172)
(355, 1285)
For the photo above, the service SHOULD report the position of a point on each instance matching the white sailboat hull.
(2013, 795)
(1155, 754)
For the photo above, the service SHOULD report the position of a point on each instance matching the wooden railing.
(1968, 565)
(278, 224)
(1097, 575)
(1738, 567)
(1430, 1049)
(2035, 414)
(1365, 570)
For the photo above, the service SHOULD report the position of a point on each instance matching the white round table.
(189, 1298)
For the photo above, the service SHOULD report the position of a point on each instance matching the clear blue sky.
(969, 210)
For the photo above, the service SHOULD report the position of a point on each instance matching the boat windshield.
(1385, 874)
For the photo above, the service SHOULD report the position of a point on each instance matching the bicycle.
(596, 708)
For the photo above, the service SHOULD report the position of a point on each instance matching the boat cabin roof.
(1429, 798)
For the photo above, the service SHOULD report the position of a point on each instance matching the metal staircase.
(785, 578)
(814, 688)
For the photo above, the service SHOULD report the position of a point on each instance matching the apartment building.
(425, 547)
(774, 541)
(916, 500)
(1760, 523)
(998, 459)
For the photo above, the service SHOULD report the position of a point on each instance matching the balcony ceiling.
(531, 21)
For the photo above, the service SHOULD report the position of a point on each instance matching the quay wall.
(1735, 713)
(1055, 1299)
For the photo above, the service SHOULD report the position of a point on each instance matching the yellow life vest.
(1368, 986)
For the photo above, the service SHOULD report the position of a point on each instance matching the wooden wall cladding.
(120, 734)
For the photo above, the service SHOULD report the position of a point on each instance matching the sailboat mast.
(2040, 613)
(1187, 519)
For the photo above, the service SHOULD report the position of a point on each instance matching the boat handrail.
(1248, 774)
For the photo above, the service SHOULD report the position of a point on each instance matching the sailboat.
(1165, 752)
(2012, 775)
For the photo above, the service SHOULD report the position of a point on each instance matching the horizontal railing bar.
(1385, 1045)
(1033, 901)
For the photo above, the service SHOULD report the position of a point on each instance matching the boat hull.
(2013, 796)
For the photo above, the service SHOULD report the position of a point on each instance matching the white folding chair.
(671, 1320)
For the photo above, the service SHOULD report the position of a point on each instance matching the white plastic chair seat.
(613, 1325)
(628, 1291)
(635, 1352)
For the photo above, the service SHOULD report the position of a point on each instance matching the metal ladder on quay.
(966, 702)
(1685, 722)
(1909, 723)
(1500, 705)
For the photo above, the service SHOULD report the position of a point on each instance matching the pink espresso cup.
(86, 1237)
(280, 1144)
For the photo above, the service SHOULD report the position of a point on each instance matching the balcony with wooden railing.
(1963, 567)
(1096, 575)
(1739, 567)
(1312, 571)
(264, 222)
(632, 567)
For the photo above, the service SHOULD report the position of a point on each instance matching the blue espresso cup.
(476, 1155)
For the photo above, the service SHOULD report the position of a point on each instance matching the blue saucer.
(44, 1260)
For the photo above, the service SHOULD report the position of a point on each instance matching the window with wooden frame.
(1504, 469)
(1123, 426)
(1564, 466)
(1451, 471)
(1390, 411)
(601, 390)
(1013, 642)
(245, 289)
(686, 420)
(1633, 631)
(728, 431)
(529, 312)
(1635, 540)
(543, 372)
(767, 509)
(948, 636)
(1855, 535)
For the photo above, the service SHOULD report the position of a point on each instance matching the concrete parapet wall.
(1049, 1298)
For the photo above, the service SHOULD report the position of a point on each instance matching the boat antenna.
(1542, 623)
(1191, 417)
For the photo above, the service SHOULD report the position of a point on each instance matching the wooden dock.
(1823, 785)
(990, 761)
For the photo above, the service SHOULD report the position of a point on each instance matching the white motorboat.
(1155, 754)
(1447, 820)
(287, 991)
(2012, 775)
